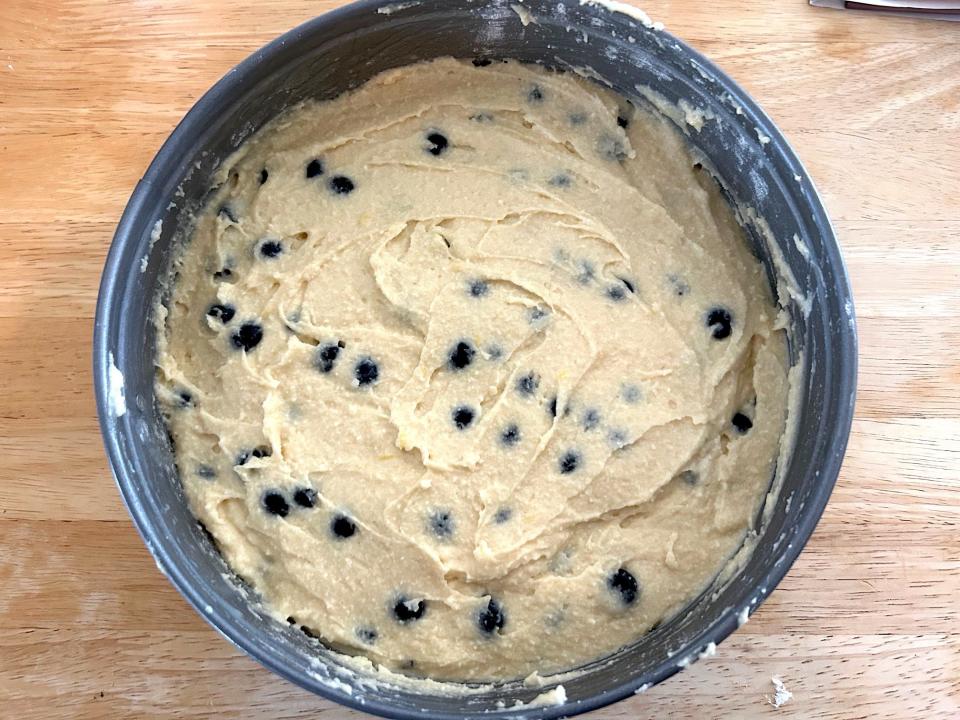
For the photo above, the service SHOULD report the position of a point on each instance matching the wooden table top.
(866, 624)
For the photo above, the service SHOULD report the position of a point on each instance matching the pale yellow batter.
(471, 371)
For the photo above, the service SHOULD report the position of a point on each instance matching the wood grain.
(867, 624)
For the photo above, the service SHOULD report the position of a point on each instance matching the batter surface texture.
(471, 371)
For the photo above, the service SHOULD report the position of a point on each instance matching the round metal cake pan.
(342, 49)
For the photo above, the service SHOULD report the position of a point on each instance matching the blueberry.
(625, 585)
(560, 180)
(247, 336)
(462, 416)
(742, 423)
(481, 62)
(341, 185)
(271, 248)
(228, 212)
(627, 284)
(618, 439)
(406, 610)
(494, 352)
(185, 399)
(569, 462)
(491, 619)
(257, 452)
(527, 384)
(314, 168)
(502, 515)
(510, 435)
(366, 635)
(535, 95)
(611, 148)
(275, 503)
(437, 143)
(622, 121)
(552, 406)
(630, 393)
(326, 357)
(478, 288)
(719, 322)
(441, 523)
(590, 419)
(223, 313)
(586, 272)
(305, 497)
(536, 314)
(263, 176)
(616, 292)
(461, 355)
(292, 320)
(365, 372)
(342, 527)
(206, 472)
(689, 477)
(223, 273)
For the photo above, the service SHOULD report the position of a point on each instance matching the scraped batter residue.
(470, 371)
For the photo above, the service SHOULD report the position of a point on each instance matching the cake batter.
(470, 371)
